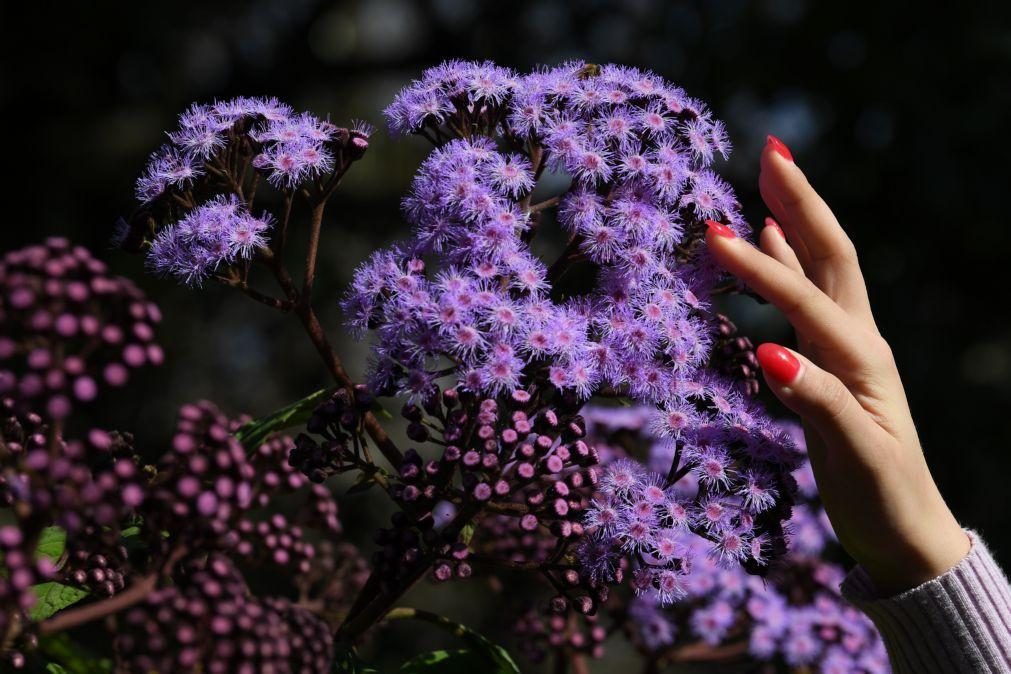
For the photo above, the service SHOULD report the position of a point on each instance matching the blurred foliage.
(897, 116)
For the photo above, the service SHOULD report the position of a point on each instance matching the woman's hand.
(867, 460)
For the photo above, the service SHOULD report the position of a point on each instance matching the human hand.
(844, 384)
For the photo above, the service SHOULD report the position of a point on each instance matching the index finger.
(810, 311)
(828, 254)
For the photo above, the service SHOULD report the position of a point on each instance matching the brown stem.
(547, 203)
(372, 426)
(578, 663)
(125, 599)
(136, 593)
(700, 651)
(242, 286)
(513, 509)
(315, 226)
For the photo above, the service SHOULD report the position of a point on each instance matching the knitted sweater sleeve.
(957, 622)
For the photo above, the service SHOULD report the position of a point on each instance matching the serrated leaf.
(467, 533)
(52, 597)
(129, 532)
(256, 431)
(53, 668)
(52, 543)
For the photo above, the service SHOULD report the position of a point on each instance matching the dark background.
(898, 118)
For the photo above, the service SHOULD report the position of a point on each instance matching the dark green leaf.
(456, 662)
(492, 657)
(53, 597)
(346, 662)
(255, 432)
(52, 542)
(71, 657)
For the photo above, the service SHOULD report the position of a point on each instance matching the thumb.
(815, 395)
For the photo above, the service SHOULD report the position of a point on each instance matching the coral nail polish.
(769, 222)
(778, 362)
(721, 229)
(780, 147)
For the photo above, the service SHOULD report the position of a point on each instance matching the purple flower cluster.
(218, 233)
(207, 622)
(468, 299)
(68, 328)
(537, 635)
(22, 571)
(292, 148)
(794, 616)
(208, 488)
(516, 455)
(86, 488)
(635, 150)
(723, 483)
(197, 192)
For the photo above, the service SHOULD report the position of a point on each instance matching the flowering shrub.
(223, 551)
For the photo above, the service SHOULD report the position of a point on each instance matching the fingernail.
(769, 222)
(721, 229)
(778, 362)
(780, 147)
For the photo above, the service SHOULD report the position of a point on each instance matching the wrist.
(932, 548)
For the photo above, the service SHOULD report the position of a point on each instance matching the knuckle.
(804, 297)
(833, 399)
(880, 352)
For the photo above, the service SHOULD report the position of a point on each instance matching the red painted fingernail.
(769, 222)
(780, 147)
(778, 362)
(721, 229)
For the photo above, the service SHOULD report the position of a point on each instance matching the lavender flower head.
(636, 152)
(794, 617)
(624, 309)
(197, 219)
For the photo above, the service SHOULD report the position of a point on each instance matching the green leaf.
(52, 543)
(256, 431)
(487, 653)
(467, 533)
(455, 662)
(346, 661)
(53, 597)
(67, 656)
(129, 532)
(366, 480)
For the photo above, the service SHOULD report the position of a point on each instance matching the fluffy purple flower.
(218, 233)
(198, 191)
(794, 617)
(636, 151)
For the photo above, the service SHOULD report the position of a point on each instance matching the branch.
(561, 265)
(547, 203)
(315, 226)
(272, 302)
(372, 426)
(135, 594)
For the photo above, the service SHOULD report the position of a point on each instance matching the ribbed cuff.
(957, 622)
